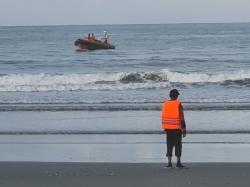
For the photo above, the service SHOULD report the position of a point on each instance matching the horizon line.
(169, 23)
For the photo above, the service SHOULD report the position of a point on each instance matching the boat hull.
(92, 45)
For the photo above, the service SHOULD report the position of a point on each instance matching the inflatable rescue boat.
(90, 43)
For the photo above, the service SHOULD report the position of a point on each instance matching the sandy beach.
(49, 174)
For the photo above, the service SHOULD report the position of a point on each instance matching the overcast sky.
(85, 12)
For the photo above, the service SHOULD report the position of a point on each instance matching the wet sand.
(51, 174)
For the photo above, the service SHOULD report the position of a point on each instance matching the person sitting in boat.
(92, 37)
(88, 37)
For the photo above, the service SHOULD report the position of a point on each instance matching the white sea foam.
(48, 82)
(205, 78)
(111, 81)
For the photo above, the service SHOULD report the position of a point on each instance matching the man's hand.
(184, 132)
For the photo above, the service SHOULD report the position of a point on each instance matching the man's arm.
(183, 123)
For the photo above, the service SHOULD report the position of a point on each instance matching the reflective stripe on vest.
(171, 115)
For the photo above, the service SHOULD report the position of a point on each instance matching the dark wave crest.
(142, 77)
(241, 82)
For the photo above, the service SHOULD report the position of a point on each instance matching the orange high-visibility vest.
(171, 117)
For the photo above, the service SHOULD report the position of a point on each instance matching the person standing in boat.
(105, 37)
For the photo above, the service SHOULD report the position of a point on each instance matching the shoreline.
(122, 148)
(25, 174)
(57, 107)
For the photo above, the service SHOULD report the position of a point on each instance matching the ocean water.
(206, 62)
(42, 70)
(61, 104)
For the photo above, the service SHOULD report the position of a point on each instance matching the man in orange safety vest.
(173, 123)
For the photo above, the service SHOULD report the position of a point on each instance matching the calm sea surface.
(206, 62)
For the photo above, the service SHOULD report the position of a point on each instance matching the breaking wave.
(116, 81)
